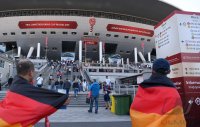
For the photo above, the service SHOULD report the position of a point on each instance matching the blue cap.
(161, 64)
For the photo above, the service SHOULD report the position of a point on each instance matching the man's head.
(161, 66)
(25, 68)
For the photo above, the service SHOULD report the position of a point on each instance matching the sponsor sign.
(68, 56)
(48, 24)
(90, 40)
(179, 83)
(177, 39)
(129, 30)
(114, 59)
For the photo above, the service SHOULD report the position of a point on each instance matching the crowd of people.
(59, 78)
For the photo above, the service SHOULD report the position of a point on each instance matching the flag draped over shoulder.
(157, 104)
(24, 104)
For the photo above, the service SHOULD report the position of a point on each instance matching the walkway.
(79, 116)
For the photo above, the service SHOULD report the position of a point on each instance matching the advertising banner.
(48, 24)
(90, 40)
(115, 59)
(177, 38)
(68, 56)
(130, 30)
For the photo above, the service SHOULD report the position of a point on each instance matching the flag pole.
(85, 52)
(46, 41)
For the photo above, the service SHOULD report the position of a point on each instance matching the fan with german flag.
(157, 102)
(24, 104)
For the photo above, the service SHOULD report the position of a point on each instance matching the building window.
(133, 37)
(128, 52)
(85, 33)
(65, 32)
(12, 33)
(2, 63)
(116, 35)
(148, 39)
(4, 34)
(53, 32)
(142, 39)
(73, 33)
(108, 35)
(44, 32)
(54, 49)
(97, 34)
(32, 32)
(126, 37)
(24, 33)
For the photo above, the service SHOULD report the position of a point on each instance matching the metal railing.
(125, 89)
(109, 68)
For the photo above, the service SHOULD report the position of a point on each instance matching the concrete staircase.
(81, 98)
(2, 94)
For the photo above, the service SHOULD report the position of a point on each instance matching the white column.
(149, 56)
(100, 52)
(103, 61)
(142, 57)
(135, 55)
(38, 50)
(19, 51)
(122, 61)
(127, 61)
(30, 52)
(80, 51)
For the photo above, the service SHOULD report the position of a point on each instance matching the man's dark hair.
(24, 66)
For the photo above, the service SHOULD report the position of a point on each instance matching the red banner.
(48, 24)
(184, 57)
(90, 42)
(130, 30)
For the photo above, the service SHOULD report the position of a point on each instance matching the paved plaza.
(79, 116)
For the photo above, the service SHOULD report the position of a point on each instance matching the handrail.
(87, 77)
(125, 89)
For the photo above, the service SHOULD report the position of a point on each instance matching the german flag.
(157, 106)
(24, 104)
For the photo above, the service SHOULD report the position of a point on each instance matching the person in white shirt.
(39, 81)
(108, 82)
(84, 83)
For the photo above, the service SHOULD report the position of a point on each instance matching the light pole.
(9, 70)
(12, 51)
(46, 53)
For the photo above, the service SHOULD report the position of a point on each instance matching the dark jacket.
(75, 85)
(10, 81)
(67, 85)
